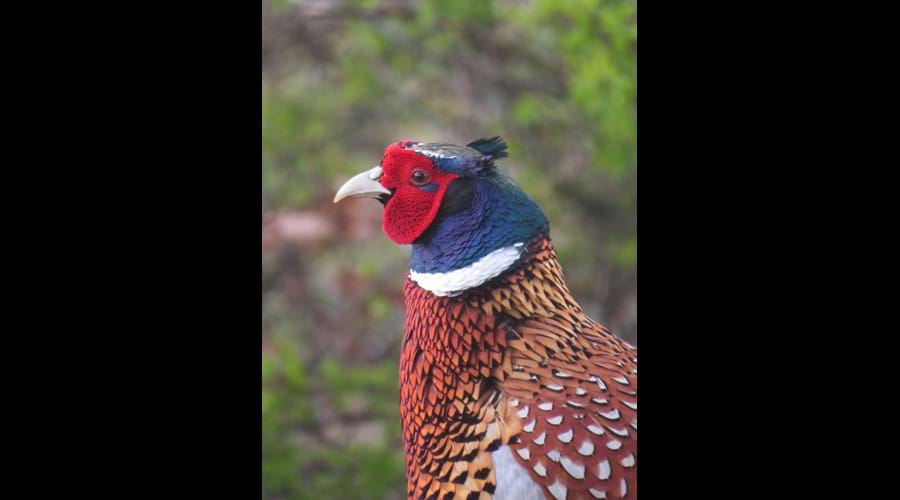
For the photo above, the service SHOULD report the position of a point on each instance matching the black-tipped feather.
(494, 147)
(476, 158)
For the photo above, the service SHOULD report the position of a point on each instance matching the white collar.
(451, 283)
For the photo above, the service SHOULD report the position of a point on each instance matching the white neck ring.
(451, 283)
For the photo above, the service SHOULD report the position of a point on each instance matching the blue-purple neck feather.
(499, 215)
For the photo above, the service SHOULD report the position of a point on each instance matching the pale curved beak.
(364, 185)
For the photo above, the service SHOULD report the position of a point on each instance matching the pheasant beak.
(364, 185)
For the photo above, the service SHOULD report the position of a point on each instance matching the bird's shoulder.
(571, 392)
(569, 387)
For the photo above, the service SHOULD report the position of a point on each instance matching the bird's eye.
(420, 178)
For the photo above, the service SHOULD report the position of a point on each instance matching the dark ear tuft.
(494, 147)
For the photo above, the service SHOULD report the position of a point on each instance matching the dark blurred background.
(341, 80)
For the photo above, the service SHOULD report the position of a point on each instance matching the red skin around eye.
(410, 210)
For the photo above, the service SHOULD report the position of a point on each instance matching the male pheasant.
(508, 390)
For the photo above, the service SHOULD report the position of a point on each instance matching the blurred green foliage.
(307, 465)
(341, 80)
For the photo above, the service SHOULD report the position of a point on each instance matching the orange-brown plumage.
(516, 362)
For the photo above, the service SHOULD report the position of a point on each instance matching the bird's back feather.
(516, 363)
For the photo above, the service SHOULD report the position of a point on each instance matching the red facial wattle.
(411, 208)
